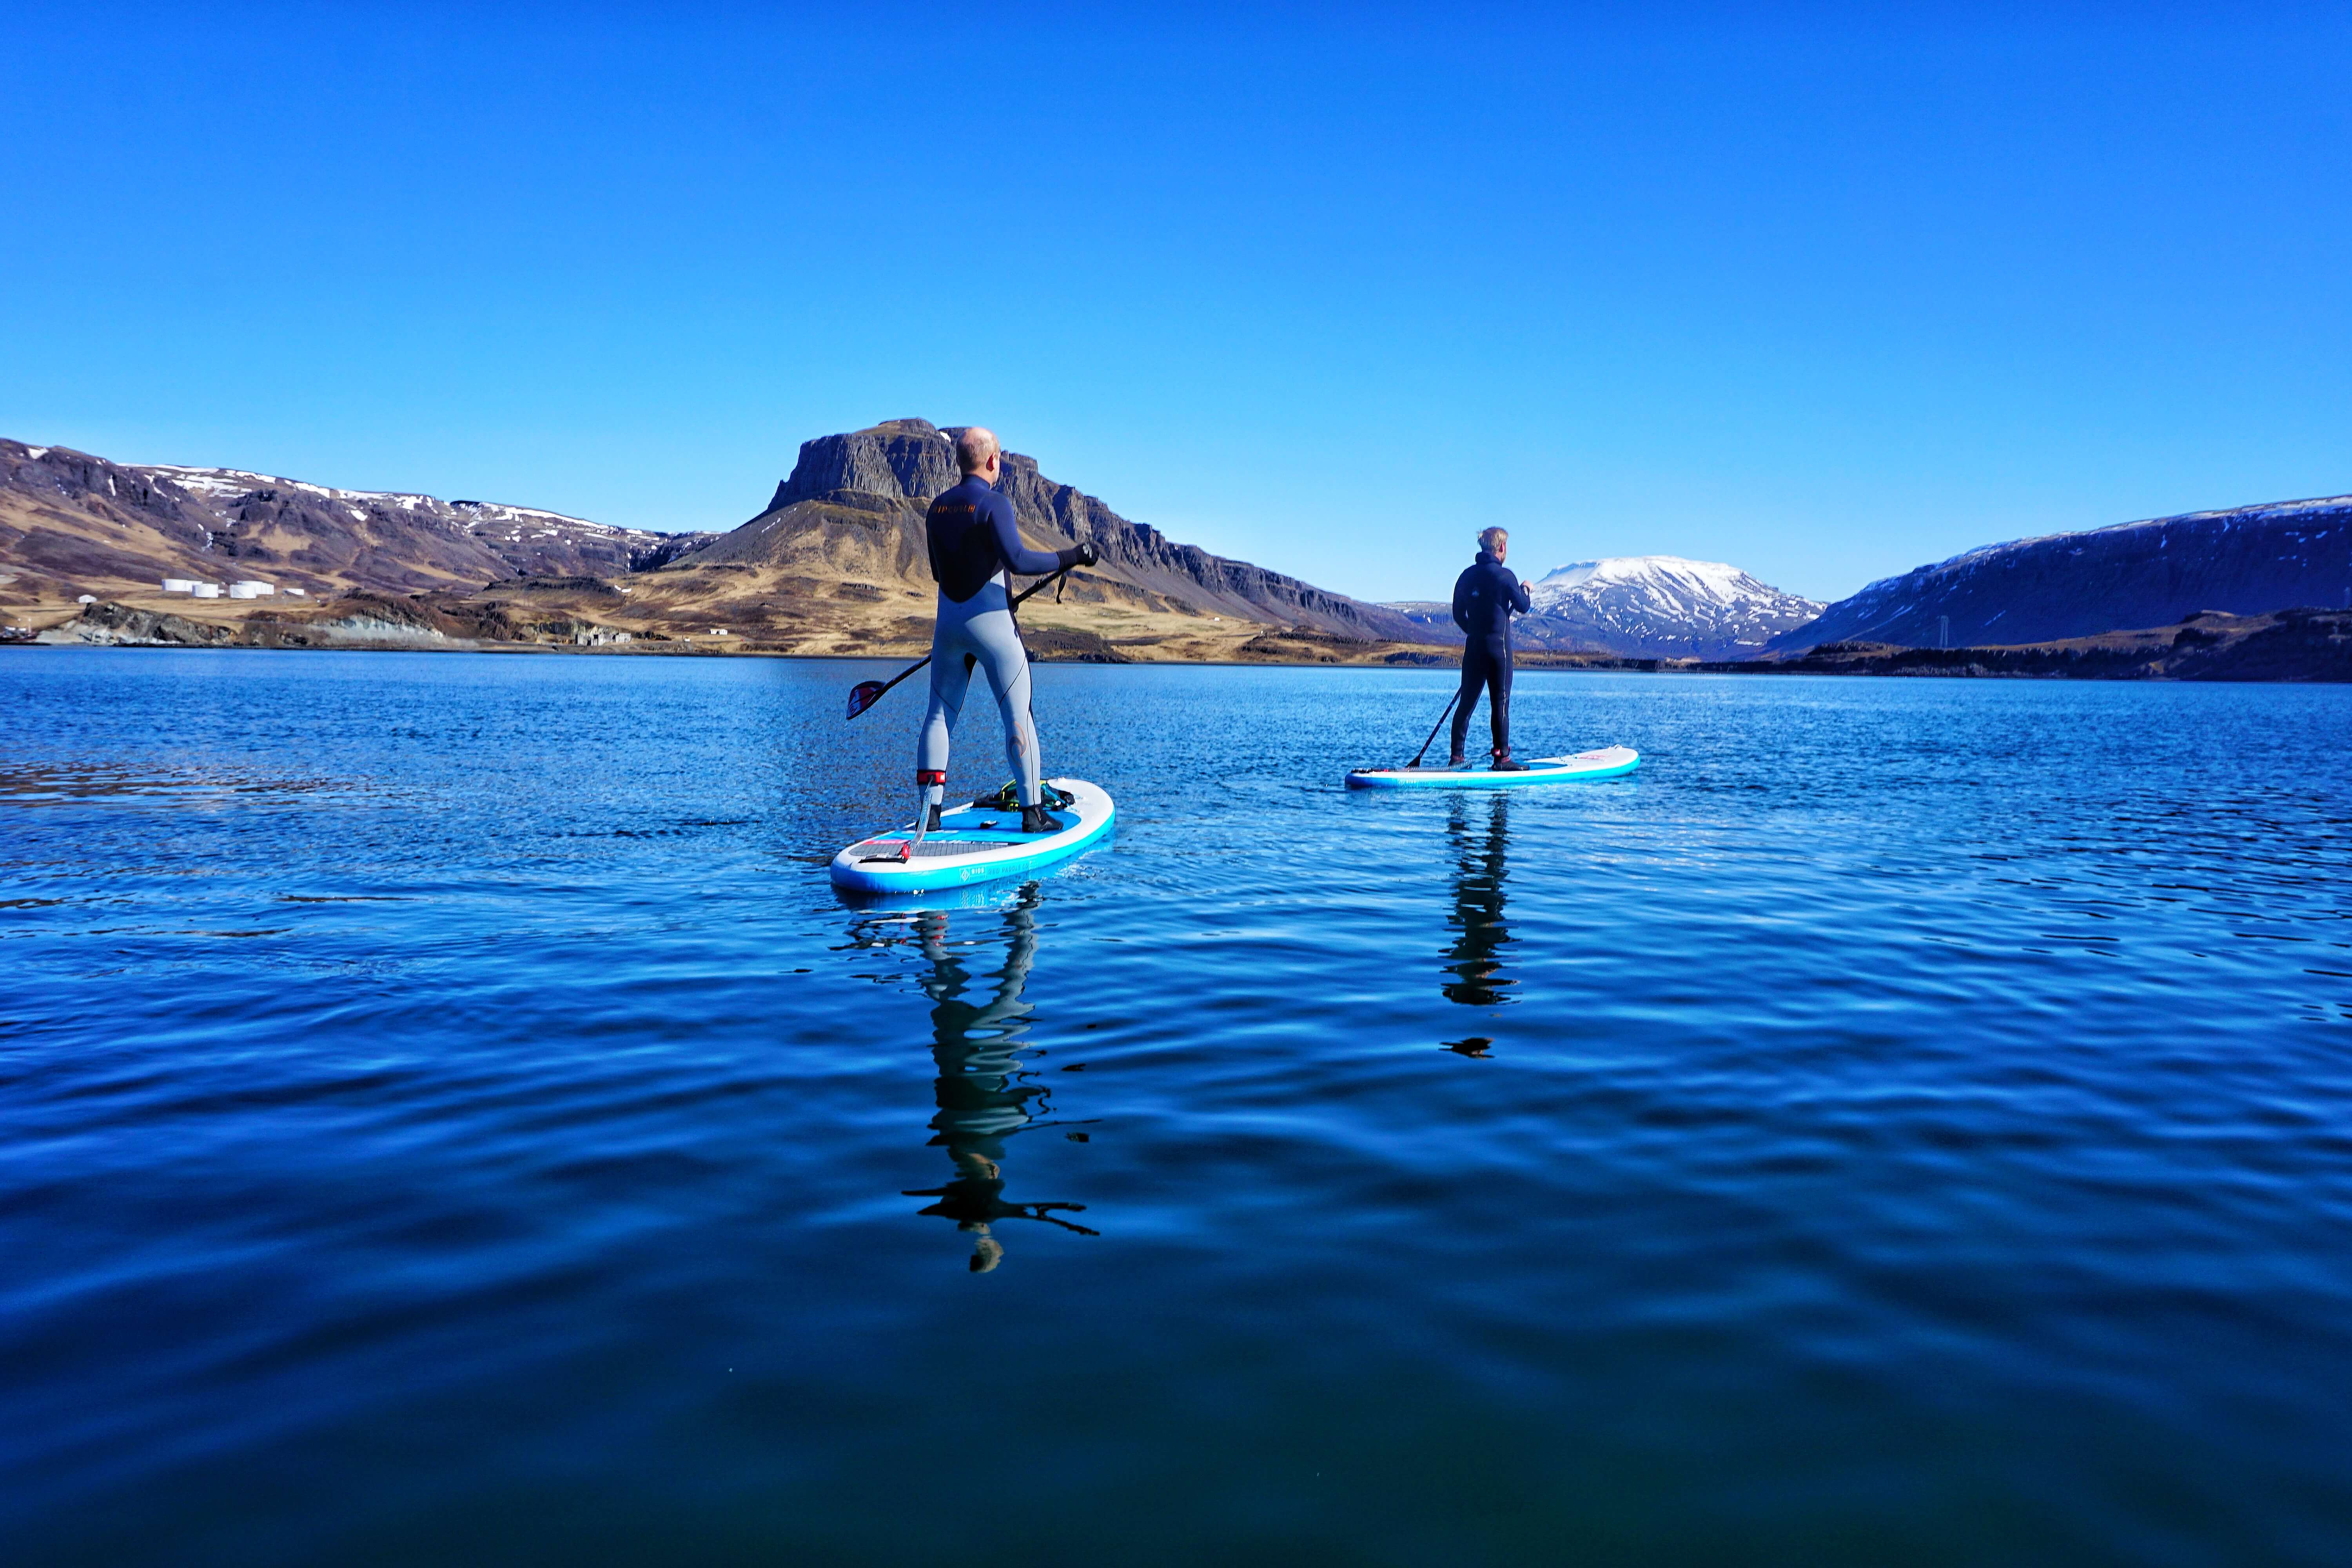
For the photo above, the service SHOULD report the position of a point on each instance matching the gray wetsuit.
(974, 543)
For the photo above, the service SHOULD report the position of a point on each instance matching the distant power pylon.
(1943, 631)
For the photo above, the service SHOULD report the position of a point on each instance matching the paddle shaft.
(1434, 729)
(920, 663)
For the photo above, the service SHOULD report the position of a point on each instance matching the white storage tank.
(205, 590)
(179, 585)
(251, 590)
(300, 592)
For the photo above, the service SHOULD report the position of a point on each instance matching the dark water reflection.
(987, 1089)
(1479, 832)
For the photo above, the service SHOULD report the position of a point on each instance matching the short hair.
(973, 446)
(1487, 536)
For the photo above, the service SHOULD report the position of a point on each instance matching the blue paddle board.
(1608, 762)
(974, 844)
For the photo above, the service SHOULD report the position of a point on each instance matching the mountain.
(834, 564)
(2299, 644)
(1644, 606)
(852, 510)
(2247, 560)
(1662, 607)
(69, 520)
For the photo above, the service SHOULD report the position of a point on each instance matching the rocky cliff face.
(910, 459)
(2248, 561)
(854, 504)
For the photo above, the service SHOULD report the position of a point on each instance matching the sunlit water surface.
(448, 1117)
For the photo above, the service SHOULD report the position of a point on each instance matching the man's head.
(976, 452)
(1495, 542)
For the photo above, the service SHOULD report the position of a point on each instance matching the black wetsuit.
(972, 538)
(1484, 598)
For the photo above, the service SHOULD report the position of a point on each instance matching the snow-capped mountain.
(1661, 606)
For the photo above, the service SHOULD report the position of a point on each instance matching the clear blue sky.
(1824, 292)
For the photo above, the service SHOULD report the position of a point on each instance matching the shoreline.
(2304, 645)
(1945, 666)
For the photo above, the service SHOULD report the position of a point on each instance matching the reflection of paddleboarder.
(984, 1096)
(1484, 597)
(1476, 958)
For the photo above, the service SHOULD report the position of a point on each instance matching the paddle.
(1434, 728)
(866, 693)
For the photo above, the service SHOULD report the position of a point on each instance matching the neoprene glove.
(1082, 553)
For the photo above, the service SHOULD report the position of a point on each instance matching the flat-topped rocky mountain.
(2247, 561)
(852, 509)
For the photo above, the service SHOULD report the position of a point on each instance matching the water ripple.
(1905, 1122)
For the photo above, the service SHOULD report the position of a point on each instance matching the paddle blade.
(862, 695)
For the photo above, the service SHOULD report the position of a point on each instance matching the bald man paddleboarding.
(974, 543)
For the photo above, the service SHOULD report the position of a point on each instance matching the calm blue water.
(447, 1116)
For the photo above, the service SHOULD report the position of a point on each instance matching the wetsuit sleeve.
(1028, 563)
(1518, 589)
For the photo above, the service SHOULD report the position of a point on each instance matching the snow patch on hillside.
(482, 518)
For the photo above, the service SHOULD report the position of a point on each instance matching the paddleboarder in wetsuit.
(1484, 598)
(974, 543)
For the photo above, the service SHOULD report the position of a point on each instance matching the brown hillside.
(72, 523)
(835, 565)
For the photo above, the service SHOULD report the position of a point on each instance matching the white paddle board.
(974, 844)
(1608, 762)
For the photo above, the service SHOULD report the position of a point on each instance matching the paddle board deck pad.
(1608, 762)
(974, 843)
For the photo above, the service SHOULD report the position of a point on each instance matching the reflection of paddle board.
(1608, 762)
(974, 844)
